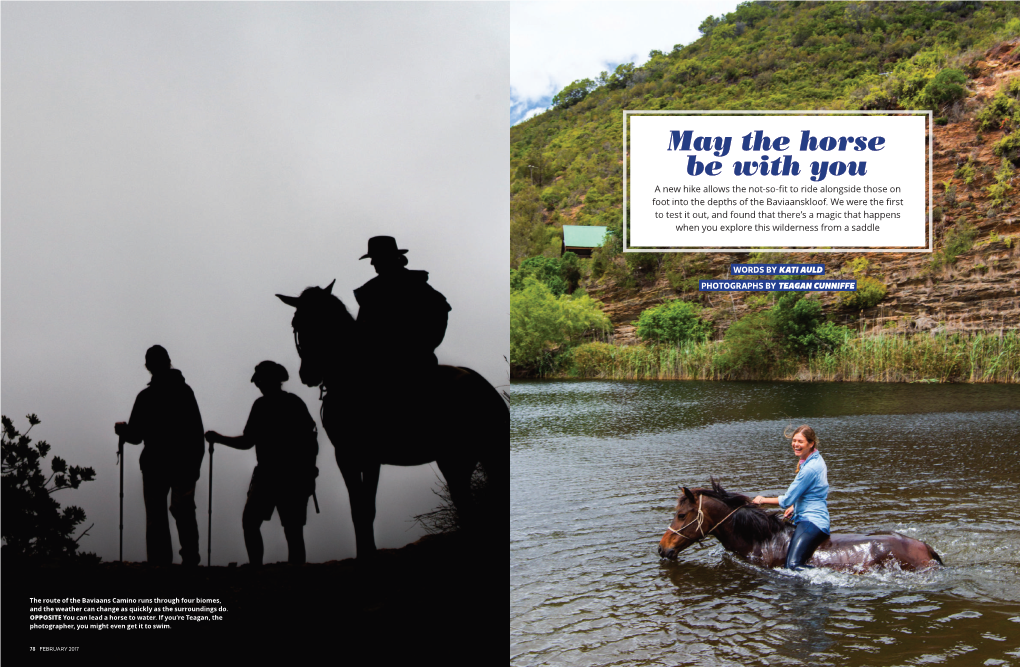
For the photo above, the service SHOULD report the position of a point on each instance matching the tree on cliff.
(34, 526)
(573, 93)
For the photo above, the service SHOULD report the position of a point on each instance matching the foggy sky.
(168, 167)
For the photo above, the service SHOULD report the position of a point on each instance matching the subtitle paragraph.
(778, 209)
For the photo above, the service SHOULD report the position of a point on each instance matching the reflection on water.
(594, 468)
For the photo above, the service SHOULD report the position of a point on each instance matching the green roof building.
(581, 240)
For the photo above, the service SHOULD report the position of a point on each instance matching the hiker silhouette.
(166, 418)
(285, 440)
(401, 318)
(456, 419)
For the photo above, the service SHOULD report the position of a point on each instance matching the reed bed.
(954, 357)
(689, 361)
(979, 357)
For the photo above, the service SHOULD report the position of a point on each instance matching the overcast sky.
(555, 43)
(168, 167)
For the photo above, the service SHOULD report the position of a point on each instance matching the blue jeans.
(805, 540)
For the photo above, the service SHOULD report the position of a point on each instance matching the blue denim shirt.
(808, 492)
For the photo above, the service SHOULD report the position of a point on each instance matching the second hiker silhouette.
(166, 417)
(285, 440)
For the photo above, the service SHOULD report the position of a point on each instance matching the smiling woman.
(805, 500)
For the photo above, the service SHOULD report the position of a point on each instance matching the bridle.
(700, 519)
(322, 385)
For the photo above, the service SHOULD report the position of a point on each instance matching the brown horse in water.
(762, 538)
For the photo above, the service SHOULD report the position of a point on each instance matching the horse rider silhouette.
(401, 318)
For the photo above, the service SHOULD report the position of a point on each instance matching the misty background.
(168, 167)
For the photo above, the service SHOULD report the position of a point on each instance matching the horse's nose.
(671, 553)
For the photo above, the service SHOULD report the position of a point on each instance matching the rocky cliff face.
(979, 292)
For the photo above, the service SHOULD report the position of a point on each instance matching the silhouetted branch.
(84, 533)
(446, 518)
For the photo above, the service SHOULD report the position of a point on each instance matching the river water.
(594, 469)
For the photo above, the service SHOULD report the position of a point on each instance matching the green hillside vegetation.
(566, 163)
(544, 324)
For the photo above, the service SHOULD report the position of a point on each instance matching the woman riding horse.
(805, 500)
(763, 538)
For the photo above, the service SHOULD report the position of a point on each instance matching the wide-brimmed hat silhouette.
(382, 246)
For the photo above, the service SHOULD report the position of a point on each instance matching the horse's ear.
(690, 496)
(329, 288)
(289, 300)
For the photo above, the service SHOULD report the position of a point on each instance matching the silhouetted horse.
(457, 420)
(763, 537)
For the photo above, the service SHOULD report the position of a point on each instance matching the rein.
(699, 519)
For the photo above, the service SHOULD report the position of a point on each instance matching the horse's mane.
(748, 518)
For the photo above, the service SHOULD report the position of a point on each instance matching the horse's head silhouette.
(322, 327)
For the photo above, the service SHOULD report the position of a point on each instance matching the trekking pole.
(120, 462)
(208, 540)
